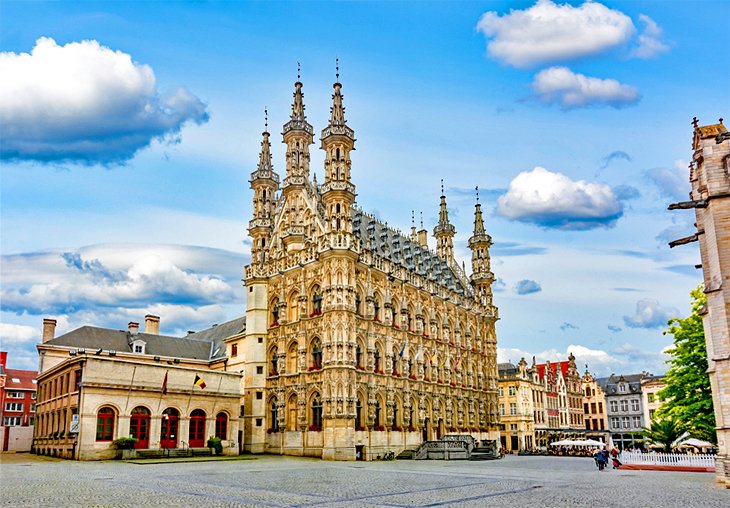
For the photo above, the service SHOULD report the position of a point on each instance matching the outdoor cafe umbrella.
(588, 442)
(564, 442)
(697, 443)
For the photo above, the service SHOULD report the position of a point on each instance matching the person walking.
(615, 458)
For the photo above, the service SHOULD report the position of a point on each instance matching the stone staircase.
(169, 453)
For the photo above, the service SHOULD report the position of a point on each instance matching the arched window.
(292, 364)
(105, 424)
(221, 426)
(377, 415)
(316, 413)
(274, 414)
(196, 435)
(316, 354)
(394, 361)
(376, 309)
(274, 361)
(358, 302)
(337, 157)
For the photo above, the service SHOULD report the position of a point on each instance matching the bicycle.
(389, 455)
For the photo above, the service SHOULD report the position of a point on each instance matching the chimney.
(133, 328)
(49, 329)
(152, 324)
(423, 238)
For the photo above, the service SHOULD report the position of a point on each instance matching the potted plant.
(215, 444)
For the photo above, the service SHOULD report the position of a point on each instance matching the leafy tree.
(663, 432)
(688, 394)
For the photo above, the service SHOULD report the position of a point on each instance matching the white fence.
(668, 459)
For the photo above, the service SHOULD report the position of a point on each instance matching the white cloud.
(572, 90)
(553, 200)
(650, 314)
(17, 334)
(111, 276)
(650, 43)
(598, 361)
(548, 32)
(83, 102)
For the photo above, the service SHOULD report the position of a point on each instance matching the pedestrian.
(600, 461)
(615, 458)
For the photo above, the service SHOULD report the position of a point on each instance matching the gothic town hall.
(359, 339)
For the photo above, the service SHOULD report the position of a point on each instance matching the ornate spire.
(265, 156)
(478, 221)
(414, 234)
(444, 231)
(298, 120)
(337, 123)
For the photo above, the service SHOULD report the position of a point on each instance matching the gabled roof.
(20, 379)
(219, 333)
(94, 338)
(554, 367)
(399, 249)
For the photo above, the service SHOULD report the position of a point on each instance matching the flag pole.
(129, 392)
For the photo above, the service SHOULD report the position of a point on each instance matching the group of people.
(602, 457)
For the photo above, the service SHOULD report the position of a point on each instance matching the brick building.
(17, 406)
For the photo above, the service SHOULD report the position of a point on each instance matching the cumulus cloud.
(572, 90)
(613, 156)
(548, 32)
(110, 277)
(672, 183)
(527, 286)
(650, 314)
(600, 362)
(85, 103)
(17, 334)
(552, 200)
(650, 40)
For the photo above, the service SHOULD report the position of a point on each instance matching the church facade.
(359, 339)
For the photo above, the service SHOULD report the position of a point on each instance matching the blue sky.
(129, 136)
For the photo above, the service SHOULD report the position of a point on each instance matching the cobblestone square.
(272, 481)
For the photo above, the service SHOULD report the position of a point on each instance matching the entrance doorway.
(426, 425)
(139, 427)
(360, 452)
(196, 437)
(168, 431)
(515, 445)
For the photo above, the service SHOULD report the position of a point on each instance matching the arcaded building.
(359, 339)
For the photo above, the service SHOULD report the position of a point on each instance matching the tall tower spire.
(264, 182)
(338, 140)
(479, 244)
(297, 134)
(444, 231)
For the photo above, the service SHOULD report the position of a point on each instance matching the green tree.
(688, 396)
(663, 432)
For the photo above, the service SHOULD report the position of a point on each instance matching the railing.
(668, 459)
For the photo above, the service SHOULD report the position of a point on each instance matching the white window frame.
(15, 395)
(14, 406)
(11, 421)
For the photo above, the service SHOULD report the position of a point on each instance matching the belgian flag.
(199, 381)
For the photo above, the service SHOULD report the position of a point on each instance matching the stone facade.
(710, 197)
(96, 385)
(624, 408)
(516, 406)
(594, 403)
(359, 339)
(650, 402)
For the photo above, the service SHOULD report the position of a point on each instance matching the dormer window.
(622, 387)
(138, 347)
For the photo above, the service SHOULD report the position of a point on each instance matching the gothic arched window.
(316, 413)
(274, 414)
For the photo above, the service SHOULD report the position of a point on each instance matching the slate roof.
(218, 333)
(197, 346)
(609, 384)
(506, 368)
(398, 248)
(93, 338)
